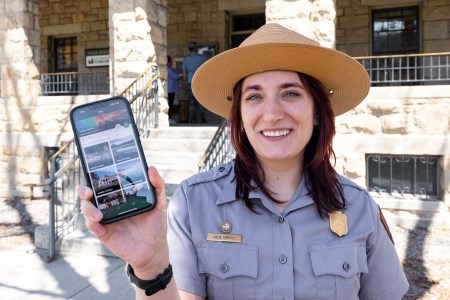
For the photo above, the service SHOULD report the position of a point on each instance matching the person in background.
(191, 63)
(277, 222)
(172, 87)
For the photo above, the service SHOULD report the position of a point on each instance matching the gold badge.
(338, 223)
(225, 227)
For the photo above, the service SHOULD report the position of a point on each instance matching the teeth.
(276, 133)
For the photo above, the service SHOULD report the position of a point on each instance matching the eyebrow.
(285, 85)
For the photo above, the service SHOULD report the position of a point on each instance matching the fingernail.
(82, 190)
(100, 231)
(98, 215)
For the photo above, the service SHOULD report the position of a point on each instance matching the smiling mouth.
(276, 133)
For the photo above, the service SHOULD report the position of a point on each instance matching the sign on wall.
(97, 57)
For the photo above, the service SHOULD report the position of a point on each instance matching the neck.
(283, 178)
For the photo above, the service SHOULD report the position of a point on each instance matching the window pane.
(426, 172)
(248, 22)
(395, 30)
(403, 175)
(66, 54)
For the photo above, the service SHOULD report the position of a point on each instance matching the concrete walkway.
(26, 274)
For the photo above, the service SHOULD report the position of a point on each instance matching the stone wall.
(314, 19)
(86, 20)
(19, 48)
(195, 20)
(354, 17)
(408, 120)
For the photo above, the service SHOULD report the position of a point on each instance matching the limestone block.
(436, 30)
(436, 13)
(432, 119)
(394, 124)
(384, 106)
(289, 9)
(433, 46)
(354, 165)
(359, 35)
(358, 123)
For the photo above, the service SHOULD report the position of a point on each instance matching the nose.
(273, 109)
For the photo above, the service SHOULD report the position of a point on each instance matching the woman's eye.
(253, 97)
(291, 94)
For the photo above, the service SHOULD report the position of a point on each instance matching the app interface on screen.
(112, 158)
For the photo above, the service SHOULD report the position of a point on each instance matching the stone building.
(396, 143)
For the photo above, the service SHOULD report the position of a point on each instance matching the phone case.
(112, 158)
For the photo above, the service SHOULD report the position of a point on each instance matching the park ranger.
(277, 222)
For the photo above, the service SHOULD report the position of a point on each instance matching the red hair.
(321, 178)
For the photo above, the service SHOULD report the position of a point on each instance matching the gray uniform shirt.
(288, 255)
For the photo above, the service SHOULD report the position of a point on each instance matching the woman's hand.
(139, 240)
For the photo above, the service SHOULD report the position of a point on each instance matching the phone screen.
(113, 159)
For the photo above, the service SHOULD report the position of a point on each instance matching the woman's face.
(277, 115)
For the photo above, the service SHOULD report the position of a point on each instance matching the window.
(395, 31)
(397, 174)
(244, 25)
(65, 55)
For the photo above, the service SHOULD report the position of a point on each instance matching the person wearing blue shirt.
(172, 87)
(190, 64)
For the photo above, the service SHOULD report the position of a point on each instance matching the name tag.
(229, 238)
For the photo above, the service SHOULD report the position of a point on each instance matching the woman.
(278, 222)
(172, 87)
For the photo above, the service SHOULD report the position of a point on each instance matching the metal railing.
(64, 206)
(74, 83)
(219, 149)
(65, 168)
(139, 93)
(408, 69)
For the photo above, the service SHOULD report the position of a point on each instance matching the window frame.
(389, 51)
(415, 174)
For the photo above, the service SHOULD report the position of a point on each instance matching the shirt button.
(221, 169)
(223, 268)
(280, 219)
(346, 266)
(282, 259)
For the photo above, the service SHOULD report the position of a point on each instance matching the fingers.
(84, 192)
(92, 215)
(157, 182)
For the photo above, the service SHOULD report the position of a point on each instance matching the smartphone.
(113, 161)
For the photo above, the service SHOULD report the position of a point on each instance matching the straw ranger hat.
(274, 47)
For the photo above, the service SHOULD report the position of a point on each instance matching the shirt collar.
(228, 194)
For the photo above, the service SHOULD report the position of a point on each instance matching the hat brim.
(346, 80)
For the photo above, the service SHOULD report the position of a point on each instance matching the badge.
(225, 227)
(338, 223)
(228, 238)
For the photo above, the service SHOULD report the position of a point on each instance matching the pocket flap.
(226, 260)
(344, 260)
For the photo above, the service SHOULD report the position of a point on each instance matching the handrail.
(65, 168)
(401, 55)
(408, 69)
(219, 149)
(74, 83)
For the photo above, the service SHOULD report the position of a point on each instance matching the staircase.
(176, 151)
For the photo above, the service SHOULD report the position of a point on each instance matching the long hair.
(321, 178)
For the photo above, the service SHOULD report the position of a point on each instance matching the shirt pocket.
(338, 269)
(230, 269)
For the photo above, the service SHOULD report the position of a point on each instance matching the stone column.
(19, 48)
(138, 37)
(313, 19)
